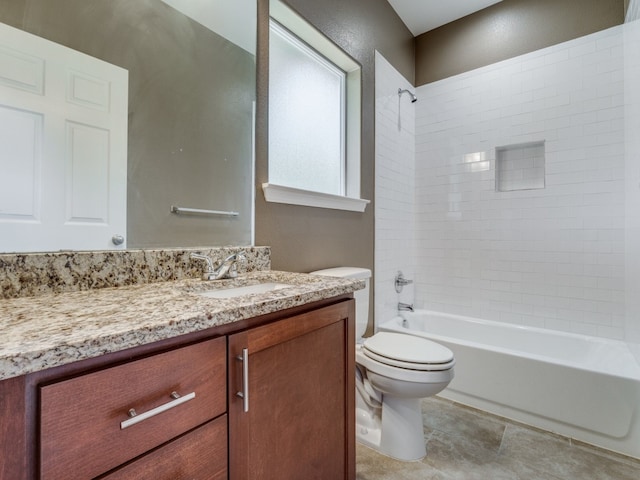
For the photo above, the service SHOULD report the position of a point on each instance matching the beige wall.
(508, 29)
(305, 238)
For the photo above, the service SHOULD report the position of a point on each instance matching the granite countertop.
(55, 329)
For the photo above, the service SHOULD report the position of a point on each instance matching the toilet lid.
(408, 349)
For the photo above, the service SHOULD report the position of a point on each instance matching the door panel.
(63, 147)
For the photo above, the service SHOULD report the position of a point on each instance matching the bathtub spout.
(405, 307)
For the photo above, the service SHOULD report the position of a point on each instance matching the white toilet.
(393, 372)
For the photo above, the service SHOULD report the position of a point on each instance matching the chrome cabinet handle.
(137, 418)
(244, 394)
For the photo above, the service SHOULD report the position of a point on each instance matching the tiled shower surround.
(395, 166)
(632, 177)
(551, 257)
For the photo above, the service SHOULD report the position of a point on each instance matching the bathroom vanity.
(159, 381)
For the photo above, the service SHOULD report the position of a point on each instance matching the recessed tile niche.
(520, 167)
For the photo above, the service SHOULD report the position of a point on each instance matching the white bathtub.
(582, 387)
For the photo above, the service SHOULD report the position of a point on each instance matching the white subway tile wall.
(632, 180)
(394, 180)
(552, 257)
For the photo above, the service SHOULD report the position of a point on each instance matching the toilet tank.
(361, 296)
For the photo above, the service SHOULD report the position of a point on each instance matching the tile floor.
(467, 444)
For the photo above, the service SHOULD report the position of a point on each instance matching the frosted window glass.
(306, 117)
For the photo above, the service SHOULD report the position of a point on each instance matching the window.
(314, 117)
(306, 116)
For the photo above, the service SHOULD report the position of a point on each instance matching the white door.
(63, 147)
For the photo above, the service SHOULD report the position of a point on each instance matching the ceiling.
(234, 20)
(423, 15)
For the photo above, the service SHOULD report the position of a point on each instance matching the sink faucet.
(225, 269)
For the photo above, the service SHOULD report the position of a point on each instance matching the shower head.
(414, 99)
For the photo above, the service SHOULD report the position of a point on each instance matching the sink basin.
(246, 290)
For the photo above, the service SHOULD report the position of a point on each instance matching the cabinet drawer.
(81, 431)
(198, 455)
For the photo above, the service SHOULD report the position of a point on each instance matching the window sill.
(296, 196)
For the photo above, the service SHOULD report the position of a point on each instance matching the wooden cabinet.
(296, 379)
(296, 416)
(198, 455)
(82, 420)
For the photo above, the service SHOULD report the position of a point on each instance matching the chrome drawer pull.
(244, 394)
(137, 418)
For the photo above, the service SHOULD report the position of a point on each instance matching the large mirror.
(191, 102)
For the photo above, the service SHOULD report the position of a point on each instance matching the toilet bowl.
(394, 371)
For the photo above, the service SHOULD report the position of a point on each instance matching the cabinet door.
(299, 395)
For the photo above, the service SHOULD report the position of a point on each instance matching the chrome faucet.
(400, 281)
(225, 269)
(405, 307)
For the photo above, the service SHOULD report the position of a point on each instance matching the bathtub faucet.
(405, 307)
(400, 281)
